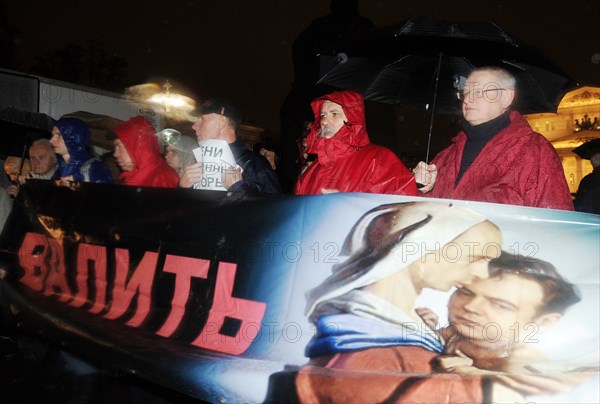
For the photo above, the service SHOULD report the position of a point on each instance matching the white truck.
(58, 98)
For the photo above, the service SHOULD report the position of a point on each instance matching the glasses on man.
(490, 94)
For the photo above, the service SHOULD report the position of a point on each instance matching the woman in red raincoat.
(347, 161)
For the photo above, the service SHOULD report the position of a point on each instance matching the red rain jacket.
(517, 166)
(348, 161)
(150, 170)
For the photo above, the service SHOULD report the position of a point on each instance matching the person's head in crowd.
(70, 138)
(519, 292)
(135, 139)
(42, 157)
(137, 152)
(488, 93)
(217, 119)
(12, 164)
(595, 160)
(338, 116)
(179, 154)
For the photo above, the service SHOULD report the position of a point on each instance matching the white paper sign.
(215, 156)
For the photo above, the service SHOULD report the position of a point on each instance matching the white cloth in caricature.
(386, 240)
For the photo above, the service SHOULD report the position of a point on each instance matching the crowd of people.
(497, 157)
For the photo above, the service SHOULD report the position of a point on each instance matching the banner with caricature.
(233, 297)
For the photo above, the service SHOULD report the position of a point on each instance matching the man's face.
(332, 119)
(42, 160)
(484, 98)
(58, 142)
(122, 156)
(208, 126)
(497, 309)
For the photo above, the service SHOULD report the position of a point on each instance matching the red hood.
(349, 137)
(139, 138)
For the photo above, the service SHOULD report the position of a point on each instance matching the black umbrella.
(19, 127)
(422, 62)
(588, 149)
(27, 119)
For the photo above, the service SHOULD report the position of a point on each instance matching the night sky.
(241, 49)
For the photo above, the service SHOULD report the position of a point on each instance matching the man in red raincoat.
(497, 157)
(138, 154)
(347, 161)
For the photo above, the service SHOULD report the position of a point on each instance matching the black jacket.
(258, 176)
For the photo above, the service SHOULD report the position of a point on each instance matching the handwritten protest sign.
(215, 156)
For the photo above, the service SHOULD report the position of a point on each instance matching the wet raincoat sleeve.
(371, 169)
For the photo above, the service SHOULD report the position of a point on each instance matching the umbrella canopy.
(422, 60)
(588, 149)
(27, 119)
(18, 128)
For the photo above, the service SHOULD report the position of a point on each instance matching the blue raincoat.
(82, 166)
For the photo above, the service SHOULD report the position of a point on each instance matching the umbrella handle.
(435, 89)
(22, 163)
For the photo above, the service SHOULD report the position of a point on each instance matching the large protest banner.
(222, 296)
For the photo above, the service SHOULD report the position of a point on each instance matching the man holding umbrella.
(497, 157)
(43, 164)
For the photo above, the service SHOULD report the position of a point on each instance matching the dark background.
(241, 49)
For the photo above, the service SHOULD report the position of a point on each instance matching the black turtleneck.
(477, 137)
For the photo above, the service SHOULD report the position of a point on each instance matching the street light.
(176, 107)
(172, 100)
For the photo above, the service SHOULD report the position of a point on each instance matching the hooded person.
(137, 152)
(364, 312)
(70, 140)
(179, 154)
(347, 161)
